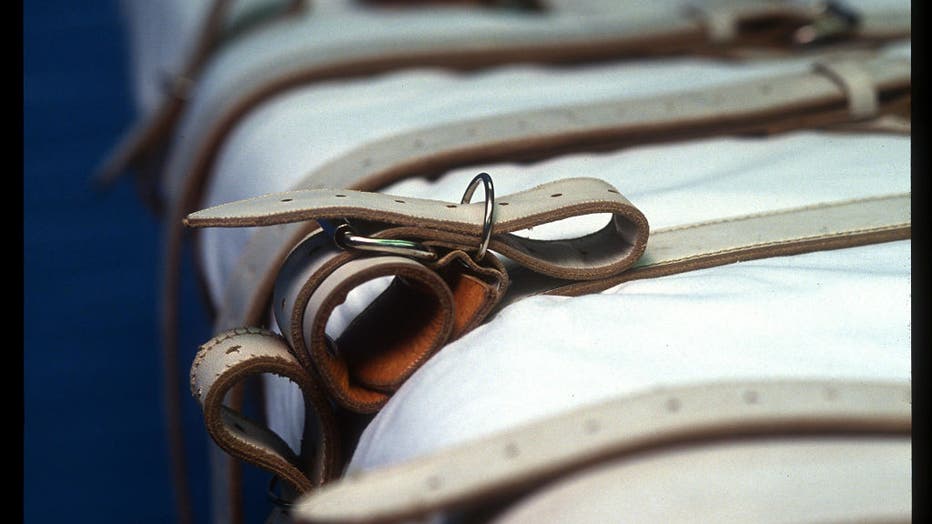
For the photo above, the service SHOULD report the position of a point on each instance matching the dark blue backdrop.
(94, 446)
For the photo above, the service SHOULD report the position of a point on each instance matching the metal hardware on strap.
(345, 237)
(486, 181)
(685, 248)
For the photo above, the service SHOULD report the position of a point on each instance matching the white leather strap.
(793, 101)
(233, 356)
(225, 21)
(848, 478)
(673, 250)
(604, 252)
(518, 460)
(862, 95)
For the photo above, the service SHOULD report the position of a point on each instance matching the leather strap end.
(235, 355)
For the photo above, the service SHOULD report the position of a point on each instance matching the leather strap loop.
(360, 376)
(670, 251)
(605, 252)
(231, 357)
(247, 300)
(862, 93)
(222, 23)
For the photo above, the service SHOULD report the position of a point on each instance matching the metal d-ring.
(346, 238)
(489, 208)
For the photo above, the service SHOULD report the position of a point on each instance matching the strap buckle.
(345, 237)
(832, 19)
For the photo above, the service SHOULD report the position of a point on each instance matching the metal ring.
(346, 238)
(489, 208)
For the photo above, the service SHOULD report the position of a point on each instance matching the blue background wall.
(93, 439)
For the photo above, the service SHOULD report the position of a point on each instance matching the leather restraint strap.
(593, 257)
(748, 106)
(225, 20)
(767, 480)
(654, 423)
(453, 292)
(799, 101)
(222, 24)
(569, 34)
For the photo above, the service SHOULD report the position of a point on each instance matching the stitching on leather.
(778, 242)
(248, 330)
(526, 198)
(822, 205)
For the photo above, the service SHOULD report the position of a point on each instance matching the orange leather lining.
(401, 328)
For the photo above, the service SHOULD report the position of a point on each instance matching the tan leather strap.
(229, 358)
(246, 303)
(520, 459)
(222, 24)
(818, 478)
(788, 101)
(807, 99)
(678, 249)
(243, 82)
(831, 225)
(602, 253)
(316, 277)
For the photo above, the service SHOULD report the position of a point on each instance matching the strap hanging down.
(669, 251)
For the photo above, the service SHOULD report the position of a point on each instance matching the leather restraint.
(441, 300)
(240, 77)
(797, 101)
(846, 442)
(225, 21)
(814, 99)
(551, 32)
